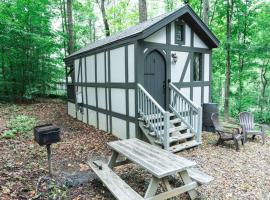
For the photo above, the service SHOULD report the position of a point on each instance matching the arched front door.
(154, 76)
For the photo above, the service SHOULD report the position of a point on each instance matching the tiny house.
(157, 72)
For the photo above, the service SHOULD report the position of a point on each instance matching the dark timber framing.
(141, 49)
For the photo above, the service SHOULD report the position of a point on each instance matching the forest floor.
(238, 175)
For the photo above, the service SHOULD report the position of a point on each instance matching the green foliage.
(8, 134)
(30, 54)
(21, 124)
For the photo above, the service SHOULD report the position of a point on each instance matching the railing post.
(199, 125)
(166, 134)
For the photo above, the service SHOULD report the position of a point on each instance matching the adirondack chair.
(248, 126)
(225, 134)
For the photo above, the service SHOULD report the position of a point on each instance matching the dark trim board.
(166, 47)
(109, 85)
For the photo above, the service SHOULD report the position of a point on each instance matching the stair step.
(172, 130)
(155, 116)
(183, 146)
(172, 121)
(178, 137)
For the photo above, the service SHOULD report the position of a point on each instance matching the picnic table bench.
(160, 163)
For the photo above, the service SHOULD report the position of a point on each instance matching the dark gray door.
(154, 76)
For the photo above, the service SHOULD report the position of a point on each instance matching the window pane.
(179, 33)
(197, 67)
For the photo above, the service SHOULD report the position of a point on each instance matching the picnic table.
(160, 163)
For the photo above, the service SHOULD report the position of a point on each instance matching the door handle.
(164, 85)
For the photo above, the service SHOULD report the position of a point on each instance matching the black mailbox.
(47, 134)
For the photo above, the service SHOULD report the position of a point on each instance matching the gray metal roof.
(139, 28)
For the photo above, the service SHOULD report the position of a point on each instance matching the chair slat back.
(215, 120)
(246, 120)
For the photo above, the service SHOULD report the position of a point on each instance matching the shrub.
(22, 124)
(8, 134)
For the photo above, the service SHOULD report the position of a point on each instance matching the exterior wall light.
(174, 58)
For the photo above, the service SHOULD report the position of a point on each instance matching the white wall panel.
(107, 68)
(206, 67)
(131, 98)
(101, 98)
(157, 37)
(108, 102)
(118, 100)
(76, 68)
(71, 109)
(206, 94)
(132, 130)
(90, 69)
(187, 74)
(100, 68)
(187, 36)
(102, 122)
(197, 95)
(91, 92)
(131, 63)
(198, 42)
(172, 33)
(186, 92)
(119, 128)
(84, 115)
(83, 70)
(117, 62)
(178, 67)
(79, 115)
(92, 118)
(84, 95)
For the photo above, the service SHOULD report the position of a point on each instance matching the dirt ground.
(238, 175)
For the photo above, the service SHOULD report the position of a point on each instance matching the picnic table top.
(159, 162)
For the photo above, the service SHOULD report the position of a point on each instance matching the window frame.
(180, 24)
(200, 66)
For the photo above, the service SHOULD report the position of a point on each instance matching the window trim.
(183, 38)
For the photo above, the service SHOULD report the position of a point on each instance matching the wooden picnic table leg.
(152, 188)
(186, 179)
(113, 159)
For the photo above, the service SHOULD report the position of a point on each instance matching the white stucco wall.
(157, 37)
(198, 42)
(100, 67)
(178, 67)
(90, 69)
(117, 67)
(118, 100)
(131, 63)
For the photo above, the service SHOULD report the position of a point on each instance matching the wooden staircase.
(176, 130)
(180, 137)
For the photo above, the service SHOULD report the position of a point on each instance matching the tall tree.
(101, 4)
(142, 10)
(70, 27)
(229, 14)
(205, 11)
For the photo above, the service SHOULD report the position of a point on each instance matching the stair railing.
(154, 115)
(186, 110)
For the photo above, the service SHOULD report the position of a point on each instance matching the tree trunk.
(205, 11)
(104, 17)
(142, 10)
(4, 71)
(264, 83)
(228, 58)
(63, 22)
(70, 27)
(241, 56)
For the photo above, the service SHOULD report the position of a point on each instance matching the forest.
(35, 36)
